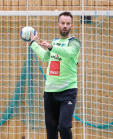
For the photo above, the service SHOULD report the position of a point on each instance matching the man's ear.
(71, 25)
(57, 24)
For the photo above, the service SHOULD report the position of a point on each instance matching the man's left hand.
(45, 44)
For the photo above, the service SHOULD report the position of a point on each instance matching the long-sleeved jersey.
(62, 62)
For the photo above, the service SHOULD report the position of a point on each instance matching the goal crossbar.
(54, 13)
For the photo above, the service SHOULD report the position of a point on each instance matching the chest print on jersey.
(56, 57)
(54, 68)
(59, 44)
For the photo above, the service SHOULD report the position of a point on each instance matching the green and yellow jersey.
(62, 66)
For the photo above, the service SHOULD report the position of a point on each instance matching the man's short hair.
(65, 14)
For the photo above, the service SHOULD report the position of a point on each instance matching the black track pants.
(59, 108)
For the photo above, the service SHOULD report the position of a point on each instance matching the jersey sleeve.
(42, 53)
(71, 51)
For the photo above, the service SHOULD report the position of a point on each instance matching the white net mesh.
(23, 74)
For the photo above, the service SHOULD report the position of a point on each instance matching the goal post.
(23, 74)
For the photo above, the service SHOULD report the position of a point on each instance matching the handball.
(25, 33)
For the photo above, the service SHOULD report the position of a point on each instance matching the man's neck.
(65, 37)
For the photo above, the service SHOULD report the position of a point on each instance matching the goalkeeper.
(61, 84)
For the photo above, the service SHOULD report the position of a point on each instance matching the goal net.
(23, 74)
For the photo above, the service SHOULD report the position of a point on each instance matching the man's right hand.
(33, 37)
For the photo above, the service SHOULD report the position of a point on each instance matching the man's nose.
(65, 25)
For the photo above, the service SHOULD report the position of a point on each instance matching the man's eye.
(68, 23)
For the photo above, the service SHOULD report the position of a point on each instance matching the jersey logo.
(62, 45)
(57, 55)
(58, 44)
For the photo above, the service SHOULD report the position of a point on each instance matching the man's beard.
(64, 33)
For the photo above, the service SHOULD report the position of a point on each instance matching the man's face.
(65, 25)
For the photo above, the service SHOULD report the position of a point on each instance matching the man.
(61, 84)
